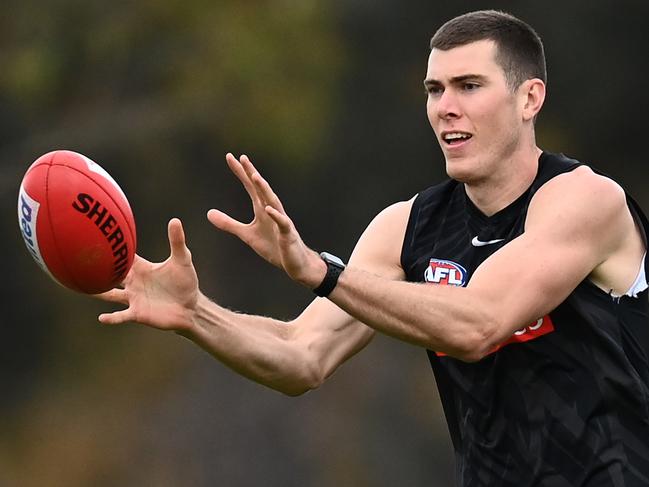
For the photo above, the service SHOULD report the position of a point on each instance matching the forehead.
(475, 58)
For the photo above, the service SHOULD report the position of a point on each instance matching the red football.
(76, 222)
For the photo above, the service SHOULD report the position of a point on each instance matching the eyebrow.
(456, 80)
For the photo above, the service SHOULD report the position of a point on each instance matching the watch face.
(327, 257)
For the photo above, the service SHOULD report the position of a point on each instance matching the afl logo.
(445, 272)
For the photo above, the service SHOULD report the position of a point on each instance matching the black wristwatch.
(335, 267)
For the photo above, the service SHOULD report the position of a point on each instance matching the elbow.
(299, 388)
(307, 377)
(466, 352)
(470, 355)
(477, 341)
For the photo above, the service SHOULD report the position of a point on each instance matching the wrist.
(314, 272)
(335, 266)
(193, 316)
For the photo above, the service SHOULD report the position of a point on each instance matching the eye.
(434, 90)
(470, 86)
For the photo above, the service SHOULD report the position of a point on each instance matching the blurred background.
(327, 99)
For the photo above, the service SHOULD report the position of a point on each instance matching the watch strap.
(334, 269)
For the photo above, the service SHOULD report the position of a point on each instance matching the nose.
(447, 106)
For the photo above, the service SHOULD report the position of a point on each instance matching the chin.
(460, 169)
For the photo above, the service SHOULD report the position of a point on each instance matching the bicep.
(569, 231)
(527, 279)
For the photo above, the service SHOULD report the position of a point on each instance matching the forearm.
(259, 348)
(441, 318)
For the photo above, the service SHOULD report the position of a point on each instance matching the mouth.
(455, 139)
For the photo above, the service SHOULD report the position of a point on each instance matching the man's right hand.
(162, 295)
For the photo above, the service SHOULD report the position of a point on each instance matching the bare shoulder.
(378, 250)
(588, 213)
(583, 182)
(580, 198)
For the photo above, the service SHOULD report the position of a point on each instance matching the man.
(535, 312)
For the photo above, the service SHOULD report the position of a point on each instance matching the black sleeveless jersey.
(565, 400)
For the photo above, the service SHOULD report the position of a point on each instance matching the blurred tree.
(260, 73)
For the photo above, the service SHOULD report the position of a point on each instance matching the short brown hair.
(520, 50)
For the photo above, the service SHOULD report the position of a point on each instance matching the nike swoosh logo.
(476, 242)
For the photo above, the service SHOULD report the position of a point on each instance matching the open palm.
(162, 295)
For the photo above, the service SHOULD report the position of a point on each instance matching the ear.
(532, 93)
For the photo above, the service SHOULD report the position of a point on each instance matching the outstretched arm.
(291, 357)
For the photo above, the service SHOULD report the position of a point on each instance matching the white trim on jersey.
(640, 283)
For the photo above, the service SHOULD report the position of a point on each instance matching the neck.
(503, 187)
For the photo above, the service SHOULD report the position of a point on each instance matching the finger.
(247, 165)
(117, 317)
(267, 194)
(179, 250)
(241, 174)
(249, 168)
(283, 222)
(264, 191)
(225, 222)
(114, 296)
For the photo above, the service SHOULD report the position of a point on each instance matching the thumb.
(226, 223)
(179, 250)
